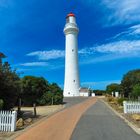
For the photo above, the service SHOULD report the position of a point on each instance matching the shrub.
(109, 99)
(120, 101)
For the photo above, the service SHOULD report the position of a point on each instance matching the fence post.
(14, 119)
(125, 107)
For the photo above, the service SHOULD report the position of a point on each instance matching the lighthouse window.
(72, 50)
(74, 81)
(68, 92)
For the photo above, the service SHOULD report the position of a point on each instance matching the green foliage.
(129, 80)
(1, 104)
(135, 91)
(112, 88)
(32, 89)
(9, 85)
(38, 90)
(99, 92)
(53, 95)
(120, 101)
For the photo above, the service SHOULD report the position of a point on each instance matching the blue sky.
(31, 36)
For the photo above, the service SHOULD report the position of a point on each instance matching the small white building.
(84, 92)
(93, 94)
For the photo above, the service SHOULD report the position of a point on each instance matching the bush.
(120, 101)
(110, 99)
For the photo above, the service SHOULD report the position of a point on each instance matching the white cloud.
(47, 55)
(96, 53)
(35, 64)
(86, 51)
(135, 30)
(112, 51)
(117, 11)
(122, 11)
(118, 47)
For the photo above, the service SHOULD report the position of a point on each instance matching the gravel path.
(59, 126)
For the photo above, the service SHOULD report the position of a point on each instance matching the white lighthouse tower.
(72, 82)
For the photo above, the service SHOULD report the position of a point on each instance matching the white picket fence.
(131, 107)
(8, 121)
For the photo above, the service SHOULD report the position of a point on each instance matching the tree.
(129, 80)
(112, 88)
(32, 89)
(9, 86)
(57, 93)
(99, 92)
(135, 91)
(54, 95)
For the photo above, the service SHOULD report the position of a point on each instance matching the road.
(101, 123)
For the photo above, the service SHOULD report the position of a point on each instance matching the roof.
(84, 89)
(70, 15)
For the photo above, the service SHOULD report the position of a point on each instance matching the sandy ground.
(59, 126)
(42, 110)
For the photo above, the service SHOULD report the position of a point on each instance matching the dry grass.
(41, 110)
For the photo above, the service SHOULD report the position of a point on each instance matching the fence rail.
(131, 107)
(8, 121)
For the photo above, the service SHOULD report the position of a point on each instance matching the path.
(101, 123)
(59, 126)
(73, 101)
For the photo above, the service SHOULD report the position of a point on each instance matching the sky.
(32, 38)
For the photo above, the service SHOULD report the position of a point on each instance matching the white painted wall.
(116, 94)
(72, 82)
(93, 94)
(85, 94)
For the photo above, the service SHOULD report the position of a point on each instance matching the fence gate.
(8, 121)
(131, 107)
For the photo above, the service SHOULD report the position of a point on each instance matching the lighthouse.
(71, 81)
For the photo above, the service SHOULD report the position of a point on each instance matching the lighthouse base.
(68, 94)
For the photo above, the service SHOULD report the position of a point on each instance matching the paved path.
(59, 126)
(101, 123)
(70, 101)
